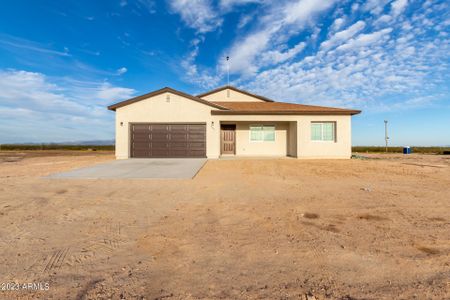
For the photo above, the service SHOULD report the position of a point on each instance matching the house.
(228, 121)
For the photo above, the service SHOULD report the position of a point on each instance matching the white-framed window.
(323, 131)
(262, 133)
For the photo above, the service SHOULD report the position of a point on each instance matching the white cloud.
(395, 68)
(375, 6)
(363, 40)
(398, 7)
(276, 57)
(122, 71)
(8, 42)
(343, 35)
(300, 12)
(229, 4)
(337, 24)
(245, 52)
(54, 109)
(197, 14)
(245, 20)
(27, 89)
(192, 73)
(109, 93)
(378, 63)
(382, 20)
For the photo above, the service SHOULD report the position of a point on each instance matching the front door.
(228, 133)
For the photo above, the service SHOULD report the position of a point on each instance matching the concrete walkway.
(164, 168)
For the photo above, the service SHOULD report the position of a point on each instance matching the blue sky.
(63, 62)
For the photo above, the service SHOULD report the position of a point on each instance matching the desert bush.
(19, 147)
(423, 150)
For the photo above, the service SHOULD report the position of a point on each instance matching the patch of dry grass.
(428, 250)
(310, 216)
(370, 217)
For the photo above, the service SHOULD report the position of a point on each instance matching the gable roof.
(269, 107)
(236, 90)
(278, 108)
(160, 91)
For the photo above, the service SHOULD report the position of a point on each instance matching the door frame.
(221, 139)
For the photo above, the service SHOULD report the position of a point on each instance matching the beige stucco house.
(225, 122)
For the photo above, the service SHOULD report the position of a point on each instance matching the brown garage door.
(168, 140)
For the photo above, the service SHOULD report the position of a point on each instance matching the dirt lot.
(278, 229)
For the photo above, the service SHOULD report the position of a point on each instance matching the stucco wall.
(234, 96)
(245, 147)
(293, 133)
(340, 148)
(159, 110)
(305, 147)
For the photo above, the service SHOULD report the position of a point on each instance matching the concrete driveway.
(164, 168)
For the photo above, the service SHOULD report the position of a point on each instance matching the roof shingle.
(279, 108)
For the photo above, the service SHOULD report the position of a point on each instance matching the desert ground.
(376, 228)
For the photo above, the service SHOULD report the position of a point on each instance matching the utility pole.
(228, 70)
(386, 137)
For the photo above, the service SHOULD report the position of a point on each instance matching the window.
(262, 133)
(323, 131)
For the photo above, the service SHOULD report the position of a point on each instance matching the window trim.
(262, 125)
(334, 140)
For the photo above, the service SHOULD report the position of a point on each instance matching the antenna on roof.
(228, 71)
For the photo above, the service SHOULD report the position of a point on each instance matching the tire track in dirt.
(56, 260)
(110, 243)
(79, 253)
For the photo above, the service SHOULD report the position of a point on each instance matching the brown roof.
(278, 108)
(269, 107)
(160, 91)
(236, 90)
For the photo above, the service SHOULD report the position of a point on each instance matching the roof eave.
(242, 112)
(113, 107)
(234, 89)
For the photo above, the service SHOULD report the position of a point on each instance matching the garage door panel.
(158, 127)
(141, 145)
(196, 153)
(139, 127)
(141, 140)
(141, 137)
(196, 137)
(159, 153)
(168, 140)
(178, 127)
(200, 127)
(158, 145)
(178, 136)
(163, 136)
(141, 154)
(178, 145)
(196, 145)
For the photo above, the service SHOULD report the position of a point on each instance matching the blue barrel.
(407, 150)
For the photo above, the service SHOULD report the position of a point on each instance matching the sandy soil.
(374, 228)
